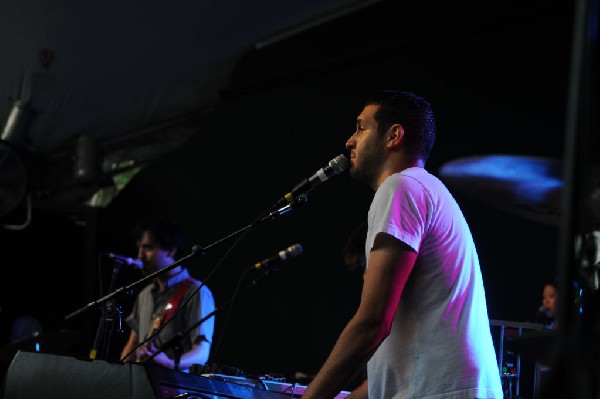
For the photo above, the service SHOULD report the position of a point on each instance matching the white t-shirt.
(440, 345)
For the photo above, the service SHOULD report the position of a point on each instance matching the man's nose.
(350, 142)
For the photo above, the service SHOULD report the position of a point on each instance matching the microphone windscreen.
(339, 163)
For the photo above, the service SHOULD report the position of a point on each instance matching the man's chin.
(356, 174)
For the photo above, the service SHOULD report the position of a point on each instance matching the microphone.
(334, 167)
(283, 255)
(136, 263)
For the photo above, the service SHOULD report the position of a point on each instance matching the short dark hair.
(413, 112)
(163, 230)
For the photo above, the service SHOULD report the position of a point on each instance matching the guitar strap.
(170, 307)
(175, 300)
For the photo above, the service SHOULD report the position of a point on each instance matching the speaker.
(36, 375)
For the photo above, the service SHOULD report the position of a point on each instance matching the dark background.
(497, 77)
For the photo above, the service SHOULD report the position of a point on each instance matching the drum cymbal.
(525, 186)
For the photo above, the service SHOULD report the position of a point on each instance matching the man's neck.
(396, 167)
(163, 279)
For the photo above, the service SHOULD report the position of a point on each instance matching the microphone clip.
(296, 202)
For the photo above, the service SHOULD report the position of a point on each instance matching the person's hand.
(160, 359)
(163, 360)
(143, 352)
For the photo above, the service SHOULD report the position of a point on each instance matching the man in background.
(172, 303)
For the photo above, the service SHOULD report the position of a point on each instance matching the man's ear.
(395, 135)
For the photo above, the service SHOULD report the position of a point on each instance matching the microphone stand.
(196, 250)
(129, 289)
(110, 310)
(175, 342)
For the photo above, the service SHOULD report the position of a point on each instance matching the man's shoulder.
(149, 289)
(197, 284)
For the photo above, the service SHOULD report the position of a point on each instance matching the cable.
(224, 327)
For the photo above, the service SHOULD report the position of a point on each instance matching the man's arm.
(197, 355)
(360, 392)
(390, 264)
(131, 343)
